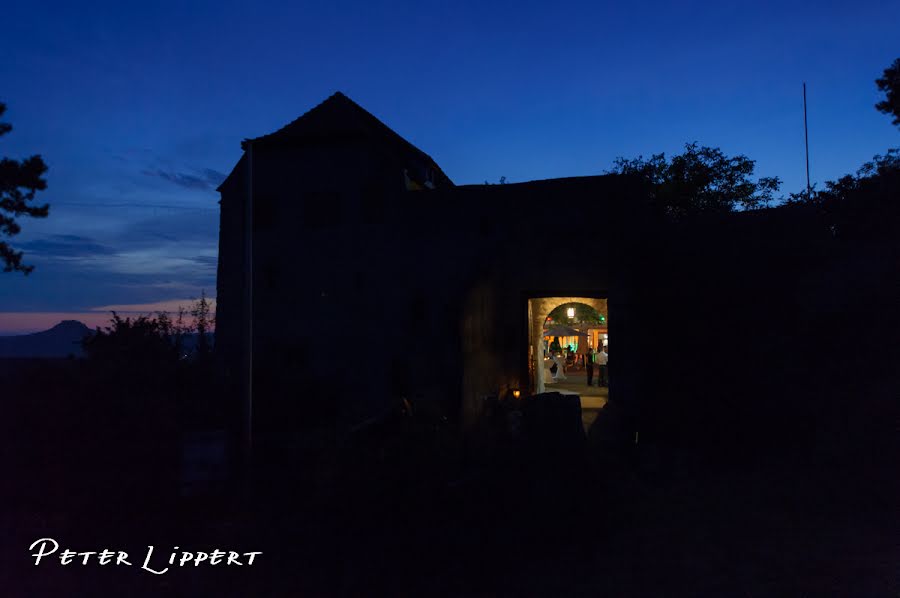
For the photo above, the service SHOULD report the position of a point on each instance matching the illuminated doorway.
(565, 331)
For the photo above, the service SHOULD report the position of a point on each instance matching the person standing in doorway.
(589, 365)
(603, 367)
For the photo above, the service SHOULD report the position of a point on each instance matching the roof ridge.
(378, 123)
(337, 94)
(340, 97)
(359, 118)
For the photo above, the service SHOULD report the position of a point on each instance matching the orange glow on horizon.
(25, 322)
(13, 322)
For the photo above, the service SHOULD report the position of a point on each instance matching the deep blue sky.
(146, 103)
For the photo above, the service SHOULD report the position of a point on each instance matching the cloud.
(169, 305)
(26, 322)
(209, 261)
(183, 227)
(88, 257)
(204, 179)
(66, 246)
(213, 176)
(60, 285)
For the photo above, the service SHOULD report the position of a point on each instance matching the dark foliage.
(889, 83)
(149, 356)
(19, 182)
(583, 313)
(203, 321)
(700, 180)
(131, 343)
(875, 182)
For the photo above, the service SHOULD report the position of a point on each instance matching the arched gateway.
(538, 310)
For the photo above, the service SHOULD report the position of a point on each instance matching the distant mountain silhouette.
(62, 340)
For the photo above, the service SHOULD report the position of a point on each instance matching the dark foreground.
(411, 507)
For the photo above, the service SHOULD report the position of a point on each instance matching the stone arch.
(538, 310)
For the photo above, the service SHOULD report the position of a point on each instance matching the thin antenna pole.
(806, 140)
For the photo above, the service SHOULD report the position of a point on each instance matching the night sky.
(139, 109)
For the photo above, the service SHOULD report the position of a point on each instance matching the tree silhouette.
(583, 313)
(702, 179)
(890, 85)
(879, 176)
(203, 321)
(144, 340)
(19, 181)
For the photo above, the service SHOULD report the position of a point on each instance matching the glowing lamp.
(570, 312)
(516, 393)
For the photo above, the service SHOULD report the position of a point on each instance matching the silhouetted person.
(570, 356)
(554, 346)
(589, 365)
(603, 366)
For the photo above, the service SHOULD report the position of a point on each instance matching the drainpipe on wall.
(247, 320)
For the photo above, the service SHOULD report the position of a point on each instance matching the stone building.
(336, 216)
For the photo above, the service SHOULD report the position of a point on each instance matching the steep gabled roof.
(339, 117)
